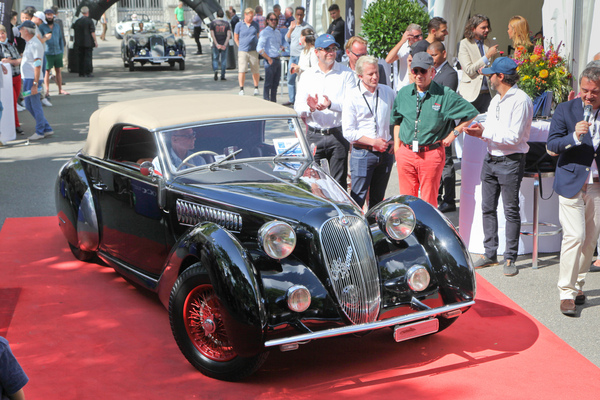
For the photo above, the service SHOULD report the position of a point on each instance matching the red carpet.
(82, 332)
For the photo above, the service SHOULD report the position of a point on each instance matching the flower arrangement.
(543, 71)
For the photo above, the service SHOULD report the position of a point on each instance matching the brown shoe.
(580, 298)
(567, 307)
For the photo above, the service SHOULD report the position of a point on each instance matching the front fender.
(435, 241)
(234, 279)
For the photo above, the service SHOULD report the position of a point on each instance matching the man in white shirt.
(366, 124)
(575, 139)
(319, 100)
(506, 133)
(401, 53)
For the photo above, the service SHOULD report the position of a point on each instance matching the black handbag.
(537, 160)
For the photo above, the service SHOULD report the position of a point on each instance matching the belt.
(514, 157)
(484, 91)
(327, 131)
(367, 147)
(425, 147)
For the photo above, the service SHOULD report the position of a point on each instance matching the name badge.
(415, 146)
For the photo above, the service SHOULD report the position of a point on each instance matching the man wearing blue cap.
(506, 133)
(319, 101)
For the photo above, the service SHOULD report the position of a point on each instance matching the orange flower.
(534, 57)
(544, 73)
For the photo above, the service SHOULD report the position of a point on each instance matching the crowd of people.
(35, 51)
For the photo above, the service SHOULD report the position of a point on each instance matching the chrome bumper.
(345, 330)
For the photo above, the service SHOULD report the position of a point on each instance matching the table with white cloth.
(470, 216)
(7, 123)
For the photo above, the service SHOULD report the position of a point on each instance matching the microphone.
(587, 113)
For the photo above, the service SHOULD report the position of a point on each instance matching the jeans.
(216, 53)
(369, 171)
(272, 77)
(33, 104)
(501, 177)
(291, 79)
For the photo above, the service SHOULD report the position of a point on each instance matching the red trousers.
(420, 171)
(16, 93)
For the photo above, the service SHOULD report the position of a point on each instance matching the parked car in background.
(154, 46)
(249, 244)
(131, 23)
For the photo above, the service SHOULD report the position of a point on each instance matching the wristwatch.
(456, 133)
(35, 83)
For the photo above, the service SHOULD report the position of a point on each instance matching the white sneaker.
(35, 136)
(46, 102)
(256, 92)
(49, 133)
(20, 108)
(241, 93)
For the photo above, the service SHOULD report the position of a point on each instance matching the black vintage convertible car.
(152, 45)
(250, 245)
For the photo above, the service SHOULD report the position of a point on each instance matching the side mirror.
(147, 169)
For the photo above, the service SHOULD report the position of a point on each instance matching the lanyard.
(374, 114)
(420, 101)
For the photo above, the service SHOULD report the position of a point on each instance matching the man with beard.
(54, 54)
(437, 30)
(506, 133)
(475, 52)
(319, 101)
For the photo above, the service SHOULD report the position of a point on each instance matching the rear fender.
(75, 206)
(234, 279)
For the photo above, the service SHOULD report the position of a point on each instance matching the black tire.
(171, 64)
(82, 255)
(209, 352)
(181, 65)
(131, 66)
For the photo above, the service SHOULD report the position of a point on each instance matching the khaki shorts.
(245, 57)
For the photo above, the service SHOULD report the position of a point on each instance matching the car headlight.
(277, 238)
(143, 40)
(170, 41)
(418, 278)
(298, 298)
(143, 52)
(171, 52)
(396, 220)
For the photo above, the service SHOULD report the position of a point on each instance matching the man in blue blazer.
(577, 183)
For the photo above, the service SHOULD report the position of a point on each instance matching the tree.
(385, 21)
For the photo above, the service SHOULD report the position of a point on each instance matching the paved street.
(28, 172)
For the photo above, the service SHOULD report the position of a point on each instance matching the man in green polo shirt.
(422, 116)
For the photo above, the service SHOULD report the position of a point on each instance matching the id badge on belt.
(415, 146)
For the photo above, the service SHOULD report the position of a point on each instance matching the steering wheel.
(198, 153)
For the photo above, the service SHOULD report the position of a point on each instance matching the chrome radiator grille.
(189, 213)
(157, 46)
(352, 267)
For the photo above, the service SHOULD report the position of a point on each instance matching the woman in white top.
(308, 57)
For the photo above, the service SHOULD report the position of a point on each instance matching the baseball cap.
(502, 65)
(324, 41)
(422, 60)
(49, 11)
(27, 24)
(40, 15)
(418, 47)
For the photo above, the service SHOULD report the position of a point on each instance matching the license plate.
(421, 328)
(158, 60)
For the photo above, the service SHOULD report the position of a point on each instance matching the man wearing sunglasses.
(506, 133)
(269, 46)
(401, 53)
(182, 145)
(321, 94)
(423, 117)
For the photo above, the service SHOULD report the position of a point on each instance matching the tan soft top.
(158, 113)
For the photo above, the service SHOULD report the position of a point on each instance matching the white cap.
(41, 16)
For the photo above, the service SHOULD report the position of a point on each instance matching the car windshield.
(220, 144)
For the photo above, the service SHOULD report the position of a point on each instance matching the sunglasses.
(358, 55)
(415, 36)
(419, 71)
(329, 49)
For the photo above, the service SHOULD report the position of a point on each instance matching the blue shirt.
(270, 42)
(248, 35)
(54, 45)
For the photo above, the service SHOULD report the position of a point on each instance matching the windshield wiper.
(286, 151)
(227, 157)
